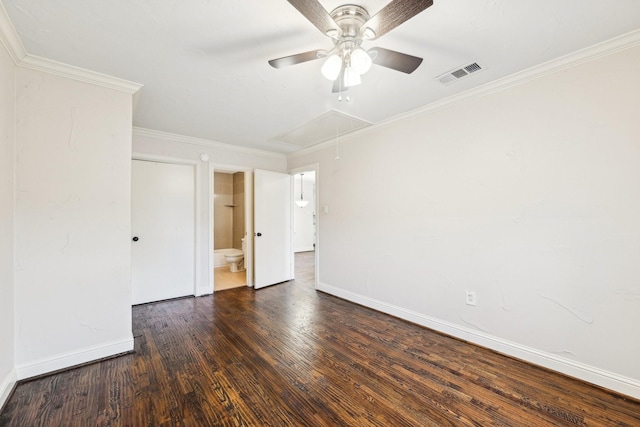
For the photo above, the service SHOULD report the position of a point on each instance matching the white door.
(272, 228)
(162, 225)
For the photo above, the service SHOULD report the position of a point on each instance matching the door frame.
(315, 167)
(198, 289)
(248, 218)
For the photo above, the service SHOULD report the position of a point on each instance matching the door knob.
(258, 234)
(135, 238)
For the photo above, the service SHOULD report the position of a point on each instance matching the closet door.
(162, 225)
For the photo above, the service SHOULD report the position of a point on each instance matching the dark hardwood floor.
(290, 356)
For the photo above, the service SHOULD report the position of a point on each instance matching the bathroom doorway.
(305, 224)
(230, 219)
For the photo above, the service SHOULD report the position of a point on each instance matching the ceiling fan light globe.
(302, 203)
(351, 77)
(331, 67)
(360, 61)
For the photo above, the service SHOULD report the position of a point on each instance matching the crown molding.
(588, 54)
(11, 41)
(76, 73)
(9, 37)
(609, 47)
(138, 131)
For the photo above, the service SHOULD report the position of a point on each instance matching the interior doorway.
(231, 231)
(305, 221)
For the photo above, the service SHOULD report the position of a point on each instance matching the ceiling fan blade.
(394, 14)
(395, 60)
(316, 14)
(285, 61)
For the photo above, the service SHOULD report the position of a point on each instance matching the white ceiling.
(203, 63)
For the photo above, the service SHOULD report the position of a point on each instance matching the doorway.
(268, 250)
(305, 222)
(230, 233)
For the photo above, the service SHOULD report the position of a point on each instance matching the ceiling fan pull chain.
(340, 80)
(337, 141)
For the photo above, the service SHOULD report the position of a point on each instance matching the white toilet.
(235, 258)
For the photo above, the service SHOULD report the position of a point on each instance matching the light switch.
(325, 209)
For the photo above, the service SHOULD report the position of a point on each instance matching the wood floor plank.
(290, 356)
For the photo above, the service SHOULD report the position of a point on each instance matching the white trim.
(210, 228)
(590, 374)
(70, 359)
(138, 131)
(163, 159)
(303, 249)
(79, 74)
(248, 218)
(6, 386)
(609, 47)
(9, 37)
(198, 288)
(14, 48)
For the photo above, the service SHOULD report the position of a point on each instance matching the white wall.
(7, 220)
(158, 145)
(73, 222)
(529, 196)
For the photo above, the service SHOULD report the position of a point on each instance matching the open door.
(272, 228)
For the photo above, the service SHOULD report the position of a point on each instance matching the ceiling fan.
(349, 26)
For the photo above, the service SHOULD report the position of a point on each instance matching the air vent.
(472, 68)
(459, 73)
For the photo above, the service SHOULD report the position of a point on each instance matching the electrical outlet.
(471, 298)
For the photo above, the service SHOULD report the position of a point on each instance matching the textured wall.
(528, 196)
(7, 220)
(73, 222)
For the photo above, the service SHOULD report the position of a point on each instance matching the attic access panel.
(323, 128)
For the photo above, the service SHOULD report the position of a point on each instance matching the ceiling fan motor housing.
(349, 18)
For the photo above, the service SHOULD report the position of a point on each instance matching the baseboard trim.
(66, 360)
(202, 291)
(581, 371)
(6, 387)
(305, 249)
